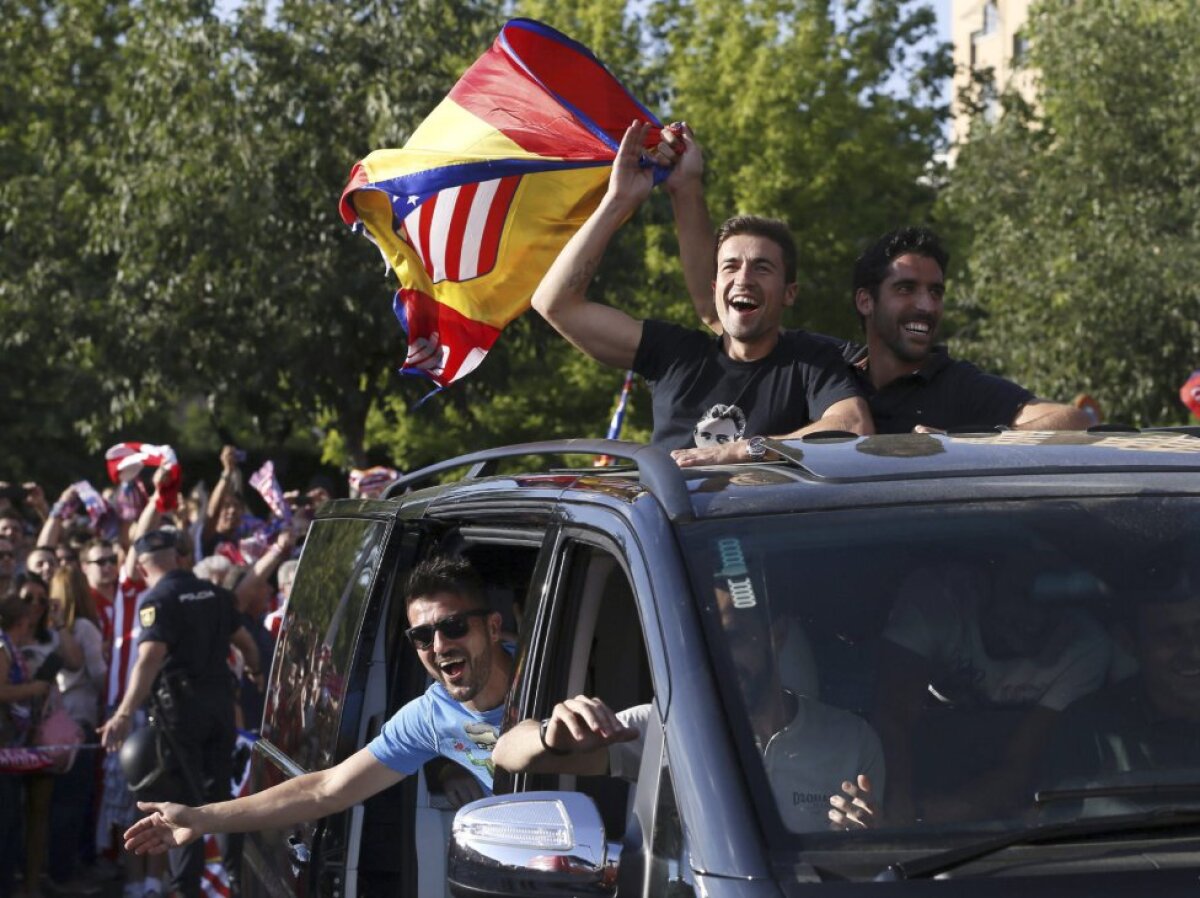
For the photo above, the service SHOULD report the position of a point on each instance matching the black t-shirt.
(689, 374)
(946, 393)
(195, 619)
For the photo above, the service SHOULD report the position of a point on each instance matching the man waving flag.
(475, 207)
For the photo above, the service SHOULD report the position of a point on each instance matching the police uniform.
(192, 698)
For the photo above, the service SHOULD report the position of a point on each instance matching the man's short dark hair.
(772, 229)
(444, 574)
(99, 543)
(871, 268)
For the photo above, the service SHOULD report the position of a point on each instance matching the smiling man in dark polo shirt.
(910, 381)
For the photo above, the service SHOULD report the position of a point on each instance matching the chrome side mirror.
(544, 843)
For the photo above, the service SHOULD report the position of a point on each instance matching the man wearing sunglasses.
(457, 638)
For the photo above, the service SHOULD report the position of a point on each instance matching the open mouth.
(452, 669)
(918, 328)
(743, 303)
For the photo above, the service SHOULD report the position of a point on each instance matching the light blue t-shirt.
(435, 724)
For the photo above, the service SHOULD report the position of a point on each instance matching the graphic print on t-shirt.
(482, 737)
(721, 424)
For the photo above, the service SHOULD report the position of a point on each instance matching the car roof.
(834, 470)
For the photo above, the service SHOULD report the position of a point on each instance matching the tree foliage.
(171, 181)
(1080, 215)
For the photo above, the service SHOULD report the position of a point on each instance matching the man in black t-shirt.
(909, 381)
(187, 625)
(912, 383)
(711, 396)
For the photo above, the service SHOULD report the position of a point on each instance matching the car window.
(325, 612)
(986, 665)
(595, 648)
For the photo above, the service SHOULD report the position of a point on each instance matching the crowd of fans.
(69, 589)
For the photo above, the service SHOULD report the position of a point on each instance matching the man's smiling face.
(463, 665)
(751, 291)
(1168, 649)
(908, 311)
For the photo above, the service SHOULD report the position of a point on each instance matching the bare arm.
(694, 229)
(1041, 414)
(265, 566)
(148, 520)
(226, 482)
(150, 658)
(51, 531)
(850, 414)
(582, 728)
(245, 643)
(307, 797)
(608, 335)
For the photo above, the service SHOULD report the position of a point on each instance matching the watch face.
(757, 448)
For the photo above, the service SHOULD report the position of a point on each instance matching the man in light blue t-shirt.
(457, 636)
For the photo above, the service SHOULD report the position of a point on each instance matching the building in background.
(987, 34)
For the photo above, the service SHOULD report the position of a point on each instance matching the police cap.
(154, 541)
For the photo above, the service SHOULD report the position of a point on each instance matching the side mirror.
(543, 843)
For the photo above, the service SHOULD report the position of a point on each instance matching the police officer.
(187, 625)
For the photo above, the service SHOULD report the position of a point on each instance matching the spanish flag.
(474, 209)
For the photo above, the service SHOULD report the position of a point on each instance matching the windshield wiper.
(943, 861)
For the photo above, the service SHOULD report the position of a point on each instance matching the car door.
(318, 688)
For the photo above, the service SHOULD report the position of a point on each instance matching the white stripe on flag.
(412, 224)
(439, 231)
(468, 266)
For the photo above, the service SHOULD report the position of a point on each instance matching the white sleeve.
(625, 758)
(1084, 664)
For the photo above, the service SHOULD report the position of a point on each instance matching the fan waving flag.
(474, 209)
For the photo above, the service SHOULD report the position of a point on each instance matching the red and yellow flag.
(476, 206)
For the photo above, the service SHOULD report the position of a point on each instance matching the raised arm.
(608, 335)
(307, 797)
(229, 480)
(1041, 414)
(685, 185)
(52, 527)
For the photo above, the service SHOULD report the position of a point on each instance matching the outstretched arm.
(307, 797)
(608, 335)
(578, 734)
(1041, 414)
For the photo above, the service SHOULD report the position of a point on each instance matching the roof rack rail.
(658, 471)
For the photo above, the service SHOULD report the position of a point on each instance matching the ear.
(790, 292)
(864, 302)
(495, 624)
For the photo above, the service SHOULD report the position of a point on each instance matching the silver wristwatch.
(756, 448)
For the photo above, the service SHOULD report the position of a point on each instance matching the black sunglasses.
(103, 559)
(456, 626)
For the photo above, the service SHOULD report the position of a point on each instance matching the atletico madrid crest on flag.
(473, 210)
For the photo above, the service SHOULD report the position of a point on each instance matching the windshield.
(964, 658)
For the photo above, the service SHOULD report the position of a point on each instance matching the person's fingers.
(864, 782)
(625, 734)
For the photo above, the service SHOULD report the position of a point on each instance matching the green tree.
(1079, 215)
